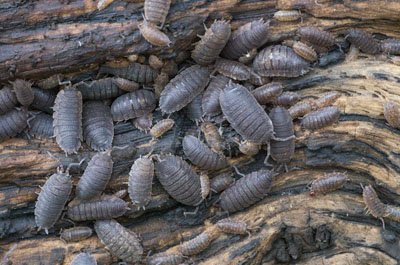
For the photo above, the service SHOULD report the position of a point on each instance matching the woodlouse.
(221, 182)
(327, 183)
(98, 126)
(43, 99)
(197, 244)
(327, 99)
(140, 181)
(183, 88)
(232, 226)
(179, 180)
(23, 91)
(84, 259)
(132, 105)
(96, 176)
(212, 43)
(287, 99)
(194, 109)
(165, 259)
(75, 234)
(302, 108)
(121, 242)
(135, 71)
(249, 148)
(374, 205)
(287, 15)
(156, 11)
(363, 40)
(41, 126)
(68, 120)
(212, 136)
(281, 61)
(320, 118)
(161, 127)
(210, 100)
(331, 58)
(315, 36)
(267, 93)
(153, 35)
(8, 100)
(246, 191)
(144, 122)
(392, 114)
(12, 123)
(200, 155)
(160, 82)
(51, 200)
(50, 82)
(392, 212)
(232, 69)
(205, 185)
(304, 51)
(391, 46)
(125, 84)
(99, 89)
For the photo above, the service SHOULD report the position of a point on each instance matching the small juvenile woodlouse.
(125, 84)
(41, 126)
(99, 89)
(156, 11)
(155, 62)
(8, 100)
(232, 226)
(287, 15)
(132, 105)
(165, 259)
(212, 136)
(374, 205)
(320, 118)
(183, 88)
(197, 244)
(143, 123)
(210, 100)
(221, 182)
(75, 234)
(121, 242)
(159, 83)
(84, 259)
(212, 43)
(316, 37)
(12, 123)
(23, 91)
(304, 51)
(232, 69)
(363, 40)
(287, 99)
(327, 99)
(96, 176)
(302, 108)
(391, 46)
(205, 185)
(135, 71)
(392, 114)
(50, 82)
(327, 183)
(267, 93)
(161, 127)
(194, 109)
(43, 99)
(153, 35)
(141, 181)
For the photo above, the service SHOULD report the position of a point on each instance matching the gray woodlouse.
(12, 123)
(144, 122)
(121, 242)
(392, 114)
(8, 100)
(132, 105)
(302, 108)
(77, 233)
(125, 84)
(135, 71)
(179, 180)
(246, 191)
(212, 43)
(374, 205)
(140, 181)
(153, 35)
(287, 15)
(281, 61)
(232, 226)
(267, 93)
(155, 62)
(183, 88)
(162, 127)
(98, 126)
(165, 259)
(84, 259)
(232, 69)
(249, 148)
(315, 36)
(320, 118)
(68, 120)
(210, 100)
(391, 46)
(247, 37)
(327, 183)
(212, 136)
(99, 89)
(106, 207)
(43, 99)
(197, 244)
(23, 91)
(363, 40)
(327, 99)
(194, 109)
(51, 200)
(41, 126)
(221, 182)
(205, 185)
(287, 99)
(200, 155)
(156, 11)
(304, 51)
(50, 82)
(96, 176)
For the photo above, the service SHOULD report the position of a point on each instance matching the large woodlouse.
(121, 242)
(391, 46)
(41, 126)
(316, 37)
(197, 244)
(232, 226)
(200, 155)
(99, 89)
(205, 185)
(183, 88)
(246, 191)
(135, 71)
(106, 207)
(327, 183)
(12, 123)
(212, 136)
(165, 259)
(232, 69)
(98, 126)
(287, 99)
(327, 99)
(156, 11)
(267, 93)
(161, 127)
(125, 84)
(132, 105)
(84, 259)
(302, 108)
(363, 40)
(141, 181)
(281, 61)
(8, 100)
(392, 114)
(68, 120)
(179, 180)
(304, 51)
(287, 15)
(210, 100)
(374, 205)
(320, 118)
(247, 37)
(221, 182)
(212, 43)
(43, 99)
(194, 109)
(96, 176)
(76, 233)
(50, 82)
(153, 35)
(23, 91)
(51, 200)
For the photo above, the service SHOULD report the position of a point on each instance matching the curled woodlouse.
(132, 105)
(392, 114)
(144, 122)
(212, 136)
(221, 182)
(165, 259)
(43, 99)
(287, 15)
(302, 108)
(12, 123)
(99, 89)
(232, 69)
(51, 200)
(179, 180)
(391, 46)
(156, 11)
(374, 205)
(305, 51)
(205, 185)
(287, 99)
(23, 91)
(363, 40)
(249, 148)
(200, 155)
(327, 183)
(153, 35)
(250, 36)
(327, 99)
(212, 43)
(316, 36)
(197, 244)
(68, 119)
(41, 126)
(84, 259)
(135, 71)
(8, 100)
(281, 61)
(125, 84)
(161, 127)
(140, 181)
(246, 191)
(210, 100)
(98, 126)
(121, 242)
(194, 109)
(232, 226)
(50, 82)
(183, 88)
(267, 93)
(155, 62)
(96, 176)
(320, 118)
(392, 212)
(77, 233)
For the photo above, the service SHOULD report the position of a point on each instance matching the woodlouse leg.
(75, 164)
(267, 157)
(383, 223)
(191, 213)
(237, 171)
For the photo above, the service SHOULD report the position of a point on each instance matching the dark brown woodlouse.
(41, 126)
(96, 176)
(197, 244)
(200, 155)
(8, 100)
(316, 37)
(161, 127)
(106, 207)
(232, 226)
(144, 122)
(364, 41)
(84, 259)
(98, 126)
(179, 180)
(51, 200)
(287, 99)
(287, 15)
(132, 105)
(99, 89)
(50, 82)
(125, 84)
(267, 93)
(210, 100)
(327, 183)
(302, 108)
(304, 51)
(221, 182)
(281, 61)
(76, 233)
(247, 37)
(135, 71)
(23, 91)
(153, 35)
(43, 99)
(194, 109)
(320, 118)
(121, 242)
(392, 114)
(246, 191)
(12, 123)
(374, 205)
(212, 136)
(212, 43)
(183, 88)
(68, 119)
(391, 46)
(327, 99)
(165, 259)
(232, 69)
(156, 11)
(141, 181)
